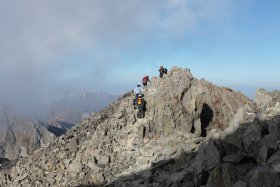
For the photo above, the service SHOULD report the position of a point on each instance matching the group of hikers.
(139, 101)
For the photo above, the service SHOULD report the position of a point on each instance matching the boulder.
(209, 156)
(264, 176)
(251, 139)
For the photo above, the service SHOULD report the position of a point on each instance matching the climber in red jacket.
(145, 80)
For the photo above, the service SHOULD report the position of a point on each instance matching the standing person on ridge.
(145, 80)
(137, 92)
(162, 71)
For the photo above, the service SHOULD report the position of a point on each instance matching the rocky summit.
(193, 134)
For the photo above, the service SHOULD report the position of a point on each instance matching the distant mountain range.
(20, 136)
(74, 106)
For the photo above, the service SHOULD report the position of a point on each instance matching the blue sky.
(109, 45)
(241, 52)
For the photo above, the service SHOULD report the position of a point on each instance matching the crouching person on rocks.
(162, 71)
(141, 106)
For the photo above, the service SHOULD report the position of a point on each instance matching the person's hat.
(138, 84)
(139, 95)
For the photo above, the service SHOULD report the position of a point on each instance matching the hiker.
(141, 106)
(145, 80)
(137, 91)
(162, 71)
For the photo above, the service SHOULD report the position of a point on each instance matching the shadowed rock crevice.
(206, 117)
(203, 178)
(56, 131)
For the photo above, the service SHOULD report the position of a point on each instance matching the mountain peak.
(182, 112)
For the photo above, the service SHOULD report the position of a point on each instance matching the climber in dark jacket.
(141, 105)
(162, 71)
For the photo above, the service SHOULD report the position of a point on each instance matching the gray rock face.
(169, 147)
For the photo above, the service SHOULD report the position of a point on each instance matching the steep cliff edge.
(182, 113)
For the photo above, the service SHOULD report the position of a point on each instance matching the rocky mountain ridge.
(192, 132)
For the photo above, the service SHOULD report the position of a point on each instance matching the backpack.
(139, 101)
(165, 70)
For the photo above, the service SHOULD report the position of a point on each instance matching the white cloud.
(181, 16)
(36, 35)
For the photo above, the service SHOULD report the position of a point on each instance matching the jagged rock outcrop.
(247, 156)
(160, 150)
(266, 99)
(268, 103)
